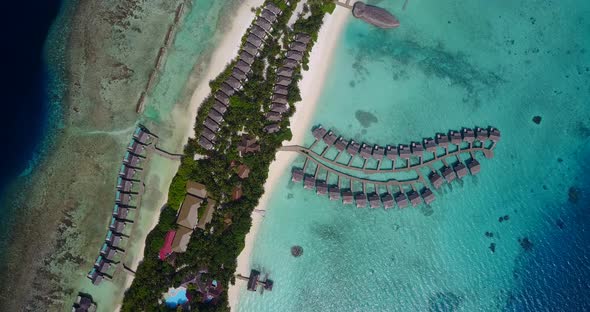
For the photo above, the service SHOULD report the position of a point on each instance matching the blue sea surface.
(451, 64)
(31, 94)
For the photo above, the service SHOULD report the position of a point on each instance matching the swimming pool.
(176, 297)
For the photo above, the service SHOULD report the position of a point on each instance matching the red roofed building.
(166, 250)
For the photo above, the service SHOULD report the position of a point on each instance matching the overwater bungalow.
(273, 8)
(124, 185)
(273, 116)
(253, 280)
(227, 89)
(401, 200)
(211, 125)
(366, 151)
(415, 198)
(95, 276)
(263, 23)
(481, 134)
(135, 148)
(361, 200)
(330, 138)
(442, 140)
(254, 40)
(387, 201)
(494, 134)
(309, 182)
(247, 57)
(391, 152)
(215, 116)
(303, 38)
(131, 160)
(435, 179)
(353, 148)
(319, 132)
(272, 128)
(126, 172)
(294, 55)
(244, 67)
(468, 135)
(204, 143)
(278, 89)
(404, 151)
(268, 15)
(334, 193)
(473, 166)
(455, 137)
(117, 226)
(322, 188)
(347, 197)
(279, 108)
(222, 97)
(417, 149)
(113, 240)
(297, 175)
(141, 135)
(340, 144)
(374, 200)
(123, 199)
(427, 195)
(208, 134)
(281, 99)
(238, 73)
(378, 152)
(448, 174)
(374, 15)
(430, 145)
(283, 81)
(285, 71)
(233, 82)
(290, 63)
(460, 169)
(108, 252)
(298, 46)
(120, 212)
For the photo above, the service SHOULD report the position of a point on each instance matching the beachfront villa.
(84, 303)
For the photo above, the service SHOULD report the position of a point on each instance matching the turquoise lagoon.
(451, 64)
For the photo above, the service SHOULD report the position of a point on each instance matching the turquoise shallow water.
(449, 65)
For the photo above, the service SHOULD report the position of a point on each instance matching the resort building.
(124, 186)
(215, 116)
(298, 46)
(361, 200)
(442, 140)
(330, 138)
(303, 38)
(391, 152)
(246, 58)
(236, 72)
(166, 249)
(473, 166)
(237, 192)
(127, 173)
(84, 304)
(272, 128)
(319, 132)
(108, 252)
(353, 148)
(427, 195)
(460, 169)
(365, 151)
(294, 55)
(414, 198)
(494, 134)
(259, 32)
(285, 71)
(387, 201)
(378, 152)
(222, 97)
(254, 40)
(309, 182)
(321, 188)
(206, 144)
(273, 116)
(181, 239)
(212, 125)
(225, 88)
(273, 8)
(268, 15)
(278, 89)
(347, 197)
(279, 108)
(435, 180)
(253, 280)
(208, 214)
(196, 189)
(468, 135)
(113, 240)
(117, 226)
(374, 15)
(95, 276)
(131, 160)
(208, 134)
(243, 171)
(135, 148)
(404, 151)
(188, 213)
(120, 212)
(456, 137)
(297, 175)
(233, 82)
(417, 149)
(340, 144)
(248, 145)
(141, 135)
(290, 63)
(448, 174)
(263, 23)
(334, 193)
(242, 66)
(219, 107)
(280, 99)
(374, 200)
(283, 81)
(430, 145)
(481, 134)
(401, 200)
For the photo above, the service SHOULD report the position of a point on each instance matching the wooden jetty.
(447, 149)
(254, 281)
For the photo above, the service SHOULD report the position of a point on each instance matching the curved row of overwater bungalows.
(374, 200)
(258, 32)
(279, 100)
(128, 183)
(404, 151)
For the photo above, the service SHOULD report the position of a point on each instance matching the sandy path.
(310, 86)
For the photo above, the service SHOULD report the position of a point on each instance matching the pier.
(254, 281)
(412, 172)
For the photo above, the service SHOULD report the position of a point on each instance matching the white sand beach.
(310, 87)
(225, 51)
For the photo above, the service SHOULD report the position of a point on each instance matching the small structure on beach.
(84, 303)
(374, 15)
(247, 145)
(243, 171)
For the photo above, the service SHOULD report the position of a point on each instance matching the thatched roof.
(435, 180)
(243, 66)
(281, 99)
(217, 117)
(279, 108)
(208, 134)
(272, 128)
(353, 148)
(208, 215)
(298, 46)
(273, 8)
(254, 40)
(218, 106)
(268, 15)
(273, 116)
(297, 175)
(233, 82)
(212, 125)
(387, 201)
(401, 200)
(283, 81)
(227, 89)
(188, 213)
(285, 71)
(250, 48)
(278, 89)
(303, 38)
(414, 198)
(247, 57)
(222, 97)
(238, 74)
(290, 63)
(361, 200)
(264, 24)
(319, 132)
(473, 166)
(427, 195)
(460, 169)
(259, 32)
(181, 239)
(294, 55)
(206, 144)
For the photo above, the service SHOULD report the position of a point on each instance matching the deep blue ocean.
(28, 90)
